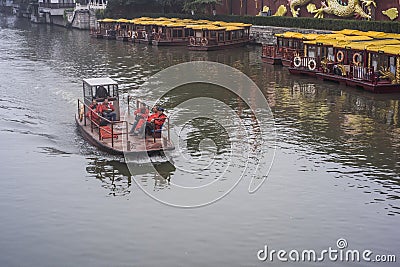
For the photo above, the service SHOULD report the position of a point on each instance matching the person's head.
(94, 102)
(154, 109)
(105, 101)
(160, 110)
(142, 105)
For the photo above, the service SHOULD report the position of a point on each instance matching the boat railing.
(166, 125)
(289, 53)
(269, 50)
(203, 41)
(362, 73)
(310, 63)
(137, 103)
(168, 37)
(117, 128)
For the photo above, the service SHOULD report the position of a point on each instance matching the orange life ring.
(157, 36)
(297, 61)
(136, 35)
(192, 41)
(129, 34)
(204, 42)
(312, 65)
(357, 59)
(340, 56)
(81, 112)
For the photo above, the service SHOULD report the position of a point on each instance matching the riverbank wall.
(80, 17)
(266, 34)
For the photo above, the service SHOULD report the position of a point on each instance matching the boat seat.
(105, 133)
(156, 133)
(99, 100)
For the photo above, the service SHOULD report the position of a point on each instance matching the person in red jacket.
(141, 115)
(107, 110)
(156, 122)
(159, 119)
(141, 125)
(92, 114)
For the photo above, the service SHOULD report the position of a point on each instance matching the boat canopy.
(353, 38)
(310, 36)
(176, 22)
(122, 20)
(233, 28)
(296, 35)
(348, 32)
(107, 20)
(386, 49)
(365, 45)
(209, 27)
(100, 81)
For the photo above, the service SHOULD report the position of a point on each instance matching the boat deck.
(272, 60)
(379, 87)
(122, 142)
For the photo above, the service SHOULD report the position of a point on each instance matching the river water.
(336, 172)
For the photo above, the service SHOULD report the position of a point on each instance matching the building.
(6, 6)
(384, 10)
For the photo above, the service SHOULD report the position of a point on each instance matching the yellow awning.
(365, 45)
(310, 36)
(296, 35)
(233, 28)
(388, 49)
(123, 20)
(353, 38)
(377, 35)
(205, 27)
(347, 32)
(107, 20)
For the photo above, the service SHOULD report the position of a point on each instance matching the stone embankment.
(266, 34)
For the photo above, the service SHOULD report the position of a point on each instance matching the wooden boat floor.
(137, 144)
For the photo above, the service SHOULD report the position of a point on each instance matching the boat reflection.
(116, 176)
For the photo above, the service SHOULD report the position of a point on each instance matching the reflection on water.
(345, 132)
(355, 130)
(117, 178)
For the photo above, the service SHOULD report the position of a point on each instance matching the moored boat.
(108, 28)
(368, 60)
(195, 34)
(218, 36)
(287, 45)
(171, 34)
(123, 30)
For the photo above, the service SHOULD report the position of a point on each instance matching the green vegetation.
(162, 6)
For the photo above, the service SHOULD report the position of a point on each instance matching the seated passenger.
(156, 122)
(141, 115)
(92, 114)
(107, 110)
(140, 127)
(101, 93)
